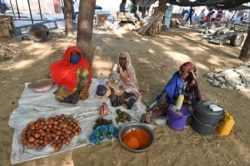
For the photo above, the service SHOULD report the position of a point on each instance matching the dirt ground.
(155, 59)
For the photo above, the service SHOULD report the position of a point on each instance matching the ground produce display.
(55, 131)
(102, 132)
(101, 121)
(122, 116)
(153, 66)
(136, 139)
(103, 110)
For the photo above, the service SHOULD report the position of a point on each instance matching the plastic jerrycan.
(225, 127)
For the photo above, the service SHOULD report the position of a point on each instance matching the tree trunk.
(162, 5)
(85, 28)
(245, 51)
(68, 8)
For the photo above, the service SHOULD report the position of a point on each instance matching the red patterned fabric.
(64, 73)
(187, 67)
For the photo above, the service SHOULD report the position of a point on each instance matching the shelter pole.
(30, 12)
(40, 11)
(12, 9)
(2, 7)
(18, 10)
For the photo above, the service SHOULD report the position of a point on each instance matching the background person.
(190, 15)
(123, 6)
(201, 16)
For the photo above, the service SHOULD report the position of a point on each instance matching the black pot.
(202, 128)
(206, 115)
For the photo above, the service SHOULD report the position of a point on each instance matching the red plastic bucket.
(177, 120)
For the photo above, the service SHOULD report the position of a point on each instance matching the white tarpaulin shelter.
(33, 105)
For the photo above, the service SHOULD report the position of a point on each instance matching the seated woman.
(182, 82)
(122, 83)
(73, 76)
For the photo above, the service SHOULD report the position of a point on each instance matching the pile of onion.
(55, 131)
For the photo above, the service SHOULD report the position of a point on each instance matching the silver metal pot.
(140, 126)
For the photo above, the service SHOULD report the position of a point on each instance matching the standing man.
(168, 15)
(133, 8)
(190, 15)
(122, 6)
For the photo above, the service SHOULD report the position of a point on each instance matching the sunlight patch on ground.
(151, 51)
(177, 38)
(199, 48)
(178, 56)
(41, 53)
(143, 60)
(101, 66)
(139, 40)
(107, 40)
(202, 66)
(144, 39)
(215, 60)
(163, 44)
(204, 47)
(37, 52)
(119, 33)
(24, 64)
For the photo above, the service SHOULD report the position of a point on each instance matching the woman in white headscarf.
(123, 79)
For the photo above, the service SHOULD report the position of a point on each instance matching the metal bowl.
(137, 126)
(42, 85)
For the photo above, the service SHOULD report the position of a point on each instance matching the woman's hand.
(121, 70)
(193, 75)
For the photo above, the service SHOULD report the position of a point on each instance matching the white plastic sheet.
(33, 105)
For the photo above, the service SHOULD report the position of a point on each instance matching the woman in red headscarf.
(73, 76)
(182, 82)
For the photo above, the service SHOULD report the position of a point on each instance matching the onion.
(55, 131)
(37, 135)
(31, 139)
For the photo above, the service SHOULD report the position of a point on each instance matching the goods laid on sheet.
(136, 137)
(33, 105)
(122, 116)
(102, 132)
(55, 131)
(103, 110)
(101, 121)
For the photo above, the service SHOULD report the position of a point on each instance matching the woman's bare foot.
(146, 118)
